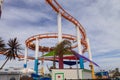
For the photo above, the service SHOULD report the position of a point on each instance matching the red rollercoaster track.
(31, 45)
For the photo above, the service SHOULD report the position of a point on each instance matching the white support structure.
(36, 55)
(89, 50)
(79, 41)
(59, 28)
(25, 57)
(42, 65)
(79, 50)
(36, 48)
(90, 57)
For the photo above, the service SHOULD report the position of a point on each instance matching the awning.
(76, 55)
(70, 63)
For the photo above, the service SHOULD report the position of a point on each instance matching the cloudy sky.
(101, 20)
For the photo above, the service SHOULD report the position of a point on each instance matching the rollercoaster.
(81, 38)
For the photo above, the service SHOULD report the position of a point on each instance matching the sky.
(100, 19)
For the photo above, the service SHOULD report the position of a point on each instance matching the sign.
(59, 76)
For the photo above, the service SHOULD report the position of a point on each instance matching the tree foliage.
(13, 49)
(61, 49)
(11, 52)
(2, 44)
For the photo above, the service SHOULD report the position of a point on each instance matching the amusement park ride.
(82, 42)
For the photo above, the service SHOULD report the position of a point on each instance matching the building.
(10, 75)
(62, 74)
(15, 73)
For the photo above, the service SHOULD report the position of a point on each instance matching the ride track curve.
(31, 45)
(21, 56)
(57, 8)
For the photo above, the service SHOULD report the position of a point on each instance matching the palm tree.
(12, 51)
(2, 45)
(61, 49)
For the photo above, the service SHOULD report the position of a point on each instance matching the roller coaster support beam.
(79, 48)
(42, 68)
(59, 28)
(25, 57)
(60, 38)
(36, 56)
(90, 57)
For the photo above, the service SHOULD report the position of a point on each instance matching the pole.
(36, 56)
(59, 28)
(90, 57)
(79, 48)
(25, 57)
(42, 68)
(78, 77)
(60, 39)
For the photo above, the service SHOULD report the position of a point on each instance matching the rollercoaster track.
(40, 58)
(51, 58)
(31, 45)
(56, 6)
(71, 57)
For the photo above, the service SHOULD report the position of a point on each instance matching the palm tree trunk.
(61, 61)
(54, 66)
(4, 63)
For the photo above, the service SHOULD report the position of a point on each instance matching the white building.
(62, 74)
